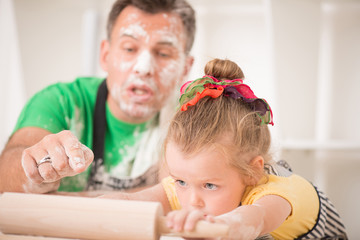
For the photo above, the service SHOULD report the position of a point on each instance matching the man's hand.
(63, 155)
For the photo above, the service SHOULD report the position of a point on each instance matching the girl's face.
(205, 180)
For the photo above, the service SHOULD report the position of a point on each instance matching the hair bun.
(223, 69)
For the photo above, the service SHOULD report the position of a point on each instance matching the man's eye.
(210, 186)
(163, 54)
(181, 183)
(128, 47)
(129, 50)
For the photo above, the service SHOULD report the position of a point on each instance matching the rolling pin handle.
(202, 229)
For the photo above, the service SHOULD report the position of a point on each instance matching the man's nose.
(144, 65)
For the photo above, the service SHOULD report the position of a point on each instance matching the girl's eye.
(210, 186)
(180, 183)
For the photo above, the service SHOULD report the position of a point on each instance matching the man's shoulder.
(81, 83)
(94, 81)
(79, 86)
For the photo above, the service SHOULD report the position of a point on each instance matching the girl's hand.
(241, 226)
(186, 219)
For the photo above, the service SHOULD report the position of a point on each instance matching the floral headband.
(193, 91)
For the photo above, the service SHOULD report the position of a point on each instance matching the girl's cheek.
(182, 197)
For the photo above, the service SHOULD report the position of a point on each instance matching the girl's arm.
(262, 217)
(152, 194)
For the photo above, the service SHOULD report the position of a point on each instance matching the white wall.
(301, 55)
(51, 38)
(11, 82)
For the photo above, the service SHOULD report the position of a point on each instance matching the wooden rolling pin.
(90, 218)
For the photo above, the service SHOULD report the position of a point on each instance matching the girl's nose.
(144, 65)
(196, 200)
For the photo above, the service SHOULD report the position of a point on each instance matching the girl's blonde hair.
(226, 124)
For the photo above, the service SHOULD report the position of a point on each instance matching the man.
(145, 55)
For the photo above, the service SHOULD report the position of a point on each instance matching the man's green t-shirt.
(70, 106)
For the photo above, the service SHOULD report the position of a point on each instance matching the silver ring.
(44, 160)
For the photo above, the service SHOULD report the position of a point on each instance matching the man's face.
(144, 59)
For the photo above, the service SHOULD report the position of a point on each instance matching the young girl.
(217, 156)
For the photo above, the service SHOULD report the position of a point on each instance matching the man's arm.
(155, 193)
(19, 169)
(12, 175)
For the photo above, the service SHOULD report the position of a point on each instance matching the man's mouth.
(140, 93)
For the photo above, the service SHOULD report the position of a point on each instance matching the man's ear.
(104, 52)
(188, 64)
